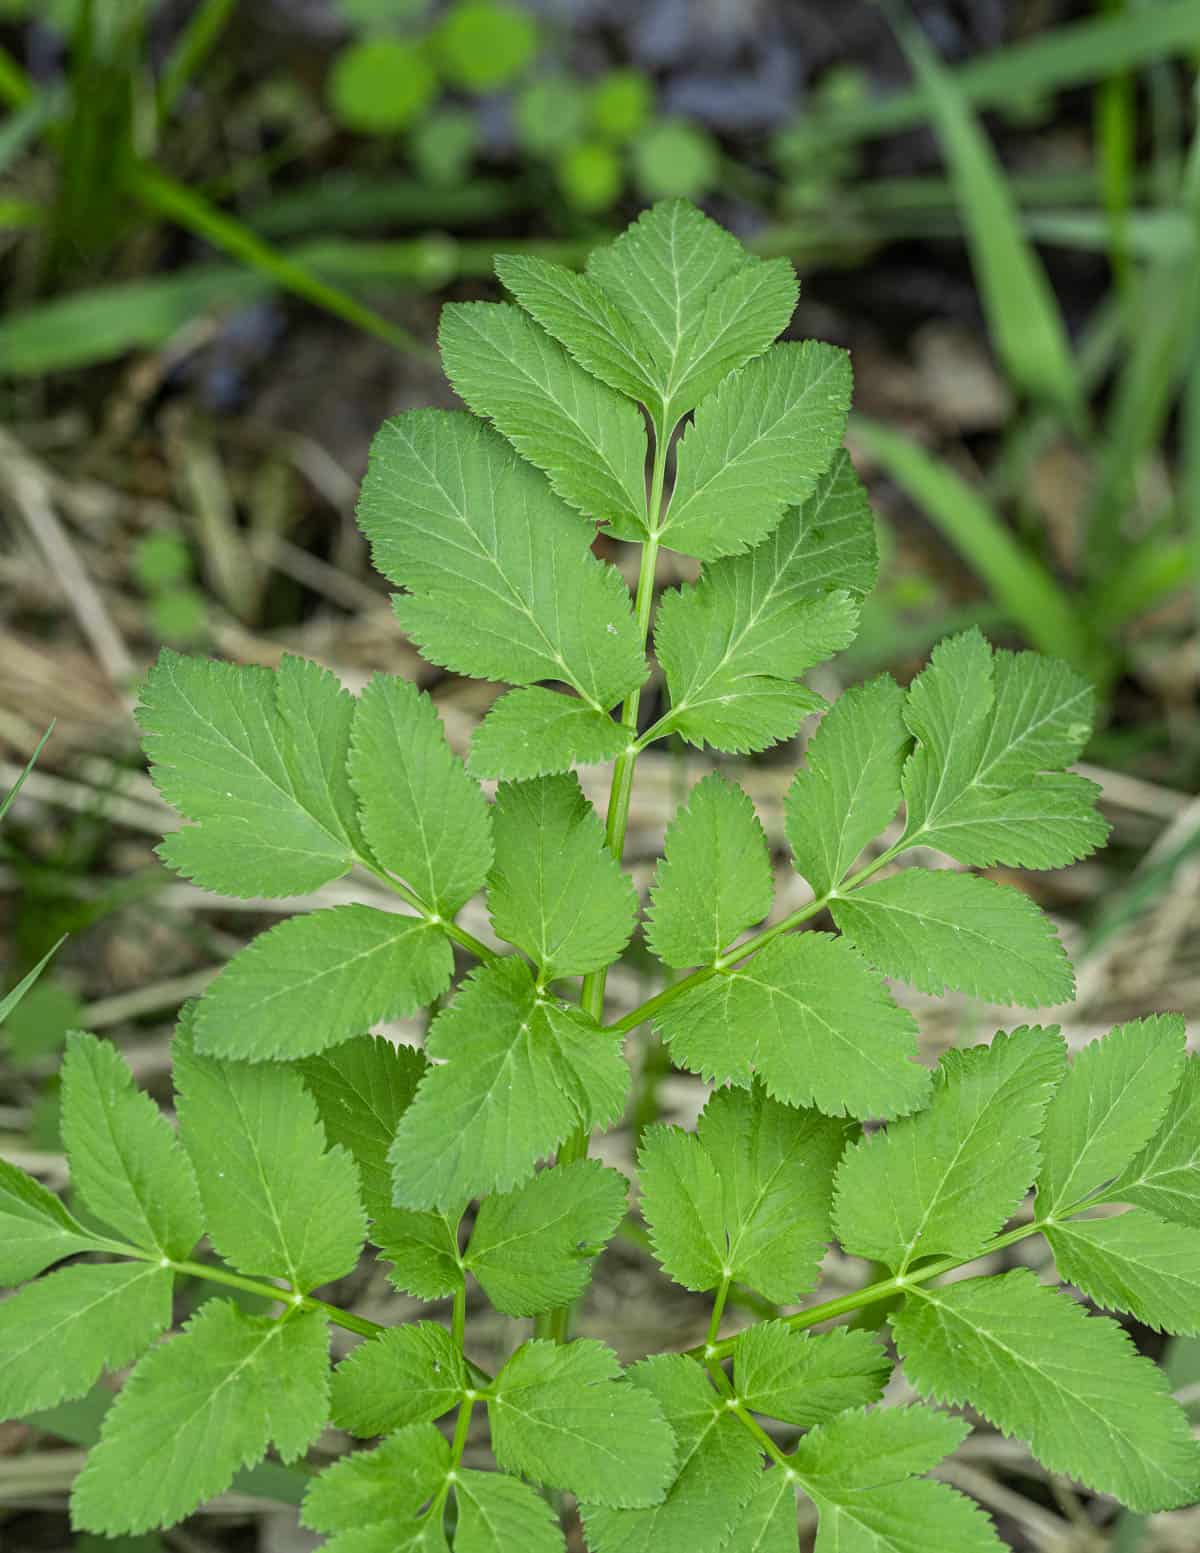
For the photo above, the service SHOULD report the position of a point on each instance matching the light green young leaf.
(565, 1416)
(276, 1200)
(1134, 1262)
(422, 1249)
(196, 1409)
(589, 441)
(36, 1229)
(362, 1089)
(909, 1516)
(768, 1523)
(747, 1197)
(812, 1020)
(532, 1249)
(258, 760)
(314, 981)
(733, 644)
(945, 1181)
(408, 1375)
(497, 1514)
(501, 581)
(714, 879)
(755, 447)
(581, 315)
(517, 1072)
(938, 929)
(849, 789)
(872, 1446)
(424, 817)
(1165, 1176)
(1108, 1106)
(538, 732)
(804, 1379)
(719, 1465)
(390, 1483)
(1030, 1360)
(985, 784)
(126, 1163)
(58, 1334)
(555, 890)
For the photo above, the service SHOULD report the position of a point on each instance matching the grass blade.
(1023, 317)
(11, 999)
(1023, 588)
(29, 765)
(191, 49)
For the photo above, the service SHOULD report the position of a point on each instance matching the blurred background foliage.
(226, 228)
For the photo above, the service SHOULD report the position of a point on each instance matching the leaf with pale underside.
(516, 1072)
(316, 980)
(197, 1408)
(537, 732)
(1108, 1106)
(499, 576)
(942, 930)
(943, 1182)
(555, 889)
(812, 1020)
(719, 1465)
(588, 440)
(126, 1162)
(757, 446)
(257, 759)
(278, 1202)
(1030, 1360)
(733, 644)
(58, 1334)
(425, 818)
(714, 879)
(565, 1416)
(532, 1249)
(848, 790)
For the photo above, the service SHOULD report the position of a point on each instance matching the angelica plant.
(302, 1137)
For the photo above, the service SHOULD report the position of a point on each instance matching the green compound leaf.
(555, 889)
(692, 312)
(425, 819)
(857, 1471)
(938, 929)
(258, 760)
(316, 980)
(986, 783)
(1030, 1360)
(497, 1514)
(768, 1523)
(581, 315)
(517, 1073)
(1165, 1176)
(415, 1534)
(1134, 1262)
(536, 732)
(276, 1200)
(714, 879)
(196, 1409)
(588, 440)
(36, 1229)
(1108, 1106)
(812, 1020)
(57, 1335)
(749, 1192)
(423, 1251)
(385, 1486)
(804, 1379)
(719, 1468)
(757, 446)
(408, 1375)
(849, 789)
(126, 1162)
(945, 1181)
(362, 1089)
(733, 644)
(566, 1417)
(501, 581)
(532, 1249)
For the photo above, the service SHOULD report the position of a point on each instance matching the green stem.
(458, 1320)
(451, 928)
